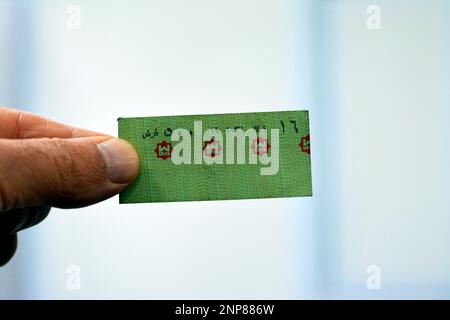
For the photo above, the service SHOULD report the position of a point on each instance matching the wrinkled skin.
(44, 164)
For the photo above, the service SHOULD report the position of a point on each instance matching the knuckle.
(75, 168)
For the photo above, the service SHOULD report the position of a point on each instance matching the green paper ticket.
(219, 156)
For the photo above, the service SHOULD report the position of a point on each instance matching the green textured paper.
(163, 181)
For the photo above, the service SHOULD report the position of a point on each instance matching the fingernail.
(121, 160)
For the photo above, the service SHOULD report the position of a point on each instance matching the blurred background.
(375, 77)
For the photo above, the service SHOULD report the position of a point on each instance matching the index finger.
(17, 124)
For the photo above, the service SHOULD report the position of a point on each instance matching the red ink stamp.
(305, 144)
(260, 146)
(164, 150)
(212, 148)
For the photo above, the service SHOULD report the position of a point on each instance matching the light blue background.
(379, 108)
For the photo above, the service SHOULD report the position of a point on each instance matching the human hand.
(44, 164)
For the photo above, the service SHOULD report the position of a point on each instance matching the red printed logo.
(305, 144)
(260, 146)
(212, 148)
(164, 150)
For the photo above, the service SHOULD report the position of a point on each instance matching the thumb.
(64, 173)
